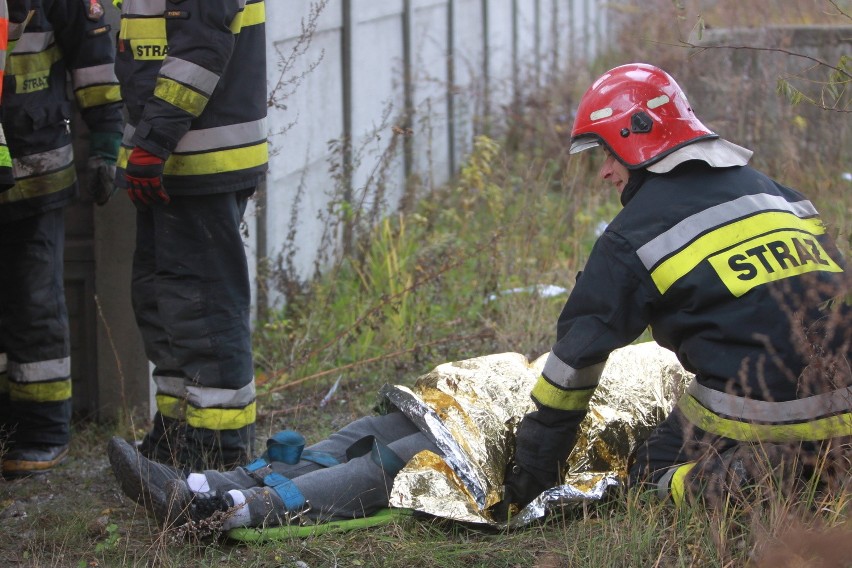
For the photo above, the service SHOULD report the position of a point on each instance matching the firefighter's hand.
(103, 151)
(519, 488)
(144, 175)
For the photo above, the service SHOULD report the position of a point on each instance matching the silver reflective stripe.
(43, 162)
(96, 75)
(33, 42)
(144, 7)
(3, 59)
(215, 138)
(205, 397)
(567, 377)
(690, 228)
(2, 362)
(40, 371)
(664, 483)
(127, 137)
(190, 74)
(801, 410)
(173, 386)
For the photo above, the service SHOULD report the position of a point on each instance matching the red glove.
(144, 174)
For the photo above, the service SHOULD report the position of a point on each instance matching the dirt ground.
(77, 516)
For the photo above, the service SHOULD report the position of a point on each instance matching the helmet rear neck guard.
(639, 113)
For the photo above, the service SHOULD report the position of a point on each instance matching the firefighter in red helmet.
(731, 270)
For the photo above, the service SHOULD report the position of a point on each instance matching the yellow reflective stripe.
(5, 157)
(142, 28)
(210, 163)
(770, 258)
(170, 406)
(88, 97)
(814, 430)
(677, 266)
(252, 15)
(554, 397)
(799, 410)
(32, 82)
(677, 488)
(53, 391)
(40, 185)
(218, 162)
(180, 96)
(221, 418)
(32, 63)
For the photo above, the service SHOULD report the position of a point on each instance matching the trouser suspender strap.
(286, 446)
(381, 455)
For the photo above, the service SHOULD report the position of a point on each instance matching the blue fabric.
(289, 493)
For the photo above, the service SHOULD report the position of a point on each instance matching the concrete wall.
(408, 83)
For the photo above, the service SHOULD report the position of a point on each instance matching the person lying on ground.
(458, 422)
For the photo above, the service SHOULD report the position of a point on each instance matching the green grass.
(414, 293)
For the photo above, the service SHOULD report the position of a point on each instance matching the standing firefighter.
(731, 270)
(63, 39)
(193, 77)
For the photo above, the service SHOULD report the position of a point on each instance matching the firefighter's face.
(614, 171)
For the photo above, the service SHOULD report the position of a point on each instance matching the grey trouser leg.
(359, 487)
(354, 488)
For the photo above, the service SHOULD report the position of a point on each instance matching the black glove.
(519, 488)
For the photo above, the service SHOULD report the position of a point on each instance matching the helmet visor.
(581, 143)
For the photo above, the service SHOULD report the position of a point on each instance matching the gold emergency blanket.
(472, 408)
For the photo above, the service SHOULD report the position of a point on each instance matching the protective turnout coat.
(63, 38)
(181, 98)
(735, 274)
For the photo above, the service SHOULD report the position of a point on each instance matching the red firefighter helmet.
(639, 113)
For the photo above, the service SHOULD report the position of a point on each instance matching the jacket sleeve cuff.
(148, 139)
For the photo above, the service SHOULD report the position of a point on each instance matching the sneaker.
(212, 511)
(26, 460)
(185, 506)
(141, 479)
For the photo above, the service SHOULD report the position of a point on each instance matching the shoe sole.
(25, 468)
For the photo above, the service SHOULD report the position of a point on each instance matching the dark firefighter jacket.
(731, 271)
(193, 77)
(63, 38)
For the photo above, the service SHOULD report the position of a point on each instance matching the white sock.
(197, 483)
(239, 515)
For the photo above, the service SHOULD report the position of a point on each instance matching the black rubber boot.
(141, 479)
(25, 460)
